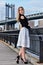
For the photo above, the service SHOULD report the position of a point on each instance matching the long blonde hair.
(18, 12)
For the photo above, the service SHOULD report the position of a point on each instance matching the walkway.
(8, 56)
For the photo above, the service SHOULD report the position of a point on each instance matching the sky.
(30, 6)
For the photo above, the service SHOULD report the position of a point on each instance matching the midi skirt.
(23, 38)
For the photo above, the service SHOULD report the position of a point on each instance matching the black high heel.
(17, 60)
(25, 62)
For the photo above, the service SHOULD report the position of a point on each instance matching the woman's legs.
(22, 53)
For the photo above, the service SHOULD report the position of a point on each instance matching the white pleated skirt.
(23, 38)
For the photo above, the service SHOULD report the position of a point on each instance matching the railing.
(36, 42)
(10, 36)
(36, 45)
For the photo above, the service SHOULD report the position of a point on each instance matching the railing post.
(15, 42)
(10, 40)
(41, 50)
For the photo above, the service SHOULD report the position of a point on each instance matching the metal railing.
(10, 36)
(36, 45)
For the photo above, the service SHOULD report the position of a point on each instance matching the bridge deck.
(8, 56)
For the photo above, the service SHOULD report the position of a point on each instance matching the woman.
(23, 39)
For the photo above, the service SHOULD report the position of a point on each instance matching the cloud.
(34, 6)
(35, 3)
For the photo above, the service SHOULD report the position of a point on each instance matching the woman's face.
(21, 11)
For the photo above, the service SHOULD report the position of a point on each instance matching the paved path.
(8, 56)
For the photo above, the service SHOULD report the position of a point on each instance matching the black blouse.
(24, 22)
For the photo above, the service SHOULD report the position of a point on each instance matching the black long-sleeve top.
(24, 22)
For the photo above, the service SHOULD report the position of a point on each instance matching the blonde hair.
(18, 13)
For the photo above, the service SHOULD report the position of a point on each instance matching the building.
(31, 23)
(40, 23)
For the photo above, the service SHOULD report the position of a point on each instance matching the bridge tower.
(9, 14)
(10, 11)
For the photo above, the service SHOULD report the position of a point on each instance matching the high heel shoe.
(25, 62)
(17, 60)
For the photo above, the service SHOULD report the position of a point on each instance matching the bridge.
(8, 21)
(35, 16)
(29, 17)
